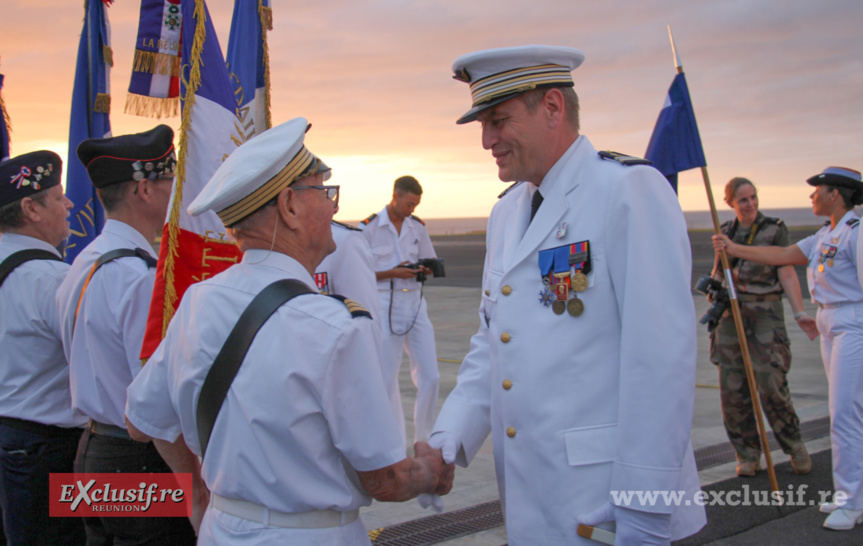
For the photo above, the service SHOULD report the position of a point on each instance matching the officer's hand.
(443, 472)
(721, 242)
(632, 526)
(808, 325)
(400, 272)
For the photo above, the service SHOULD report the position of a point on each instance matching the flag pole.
(738, 321)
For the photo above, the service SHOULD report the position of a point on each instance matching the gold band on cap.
(518, 80)
(270, 189)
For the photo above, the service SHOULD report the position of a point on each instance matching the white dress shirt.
(34, 377)
(104, 349)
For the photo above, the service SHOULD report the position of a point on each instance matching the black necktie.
(535, 202)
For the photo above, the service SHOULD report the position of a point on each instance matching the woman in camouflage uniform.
(759, 288)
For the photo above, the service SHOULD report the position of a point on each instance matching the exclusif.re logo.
(120, 495)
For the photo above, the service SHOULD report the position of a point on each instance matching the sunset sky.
(777, 85)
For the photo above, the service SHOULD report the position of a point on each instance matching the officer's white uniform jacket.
(34, 376)
(579, 407)
(306, 408)
(350, 271)
(104, 352)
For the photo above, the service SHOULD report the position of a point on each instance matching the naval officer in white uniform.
(583, 369)
(305, 435)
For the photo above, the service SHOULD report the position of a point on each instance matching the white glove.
(434, 501)
(447, 443)
(632, 526)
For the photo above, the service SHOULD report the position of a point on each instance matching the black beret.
(27, 174)
(129, 157)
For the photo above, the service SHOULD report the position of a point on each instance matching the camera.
(718, 294)
(435, 264)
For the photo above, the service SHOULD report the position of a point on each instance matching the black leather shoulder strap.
(230, 358)
(17, 258)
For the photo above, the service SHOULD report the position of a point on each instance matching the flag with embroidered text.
(154, 89)
(248, 64)
(195, 248)
(90, 118)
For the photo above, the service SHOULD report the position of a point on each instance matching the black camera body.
(435, 264)
(719, 295)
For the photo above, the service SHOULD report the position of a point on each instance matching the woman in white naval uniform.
(831, 254)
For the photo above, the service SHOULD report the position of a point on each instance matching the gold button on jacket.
(505, 337)
(507, 384)
(507, 290)
(510, 432)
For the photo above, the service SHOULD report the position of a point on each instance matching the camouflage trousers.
(770, 352)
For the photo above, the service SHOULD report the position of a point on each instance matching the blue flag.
(4, 129)
(675, 145)
(248, 64)
(91, 105)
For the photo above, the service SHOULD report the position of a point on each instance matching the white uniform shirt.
(836, 250)
(350, 270)
(307, 405)
(104, 353)
(390, 248)
(34, 377)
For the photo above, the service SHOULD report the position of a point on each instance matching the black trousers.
(27, 458)
(100, 453)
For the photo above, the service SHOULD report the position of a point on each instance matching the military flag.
(195, 248)
(90, 118)
(4, 125)
(154, 89)
(248, 64)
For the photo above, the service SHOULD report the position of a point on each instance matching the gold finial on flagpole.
(677, 64)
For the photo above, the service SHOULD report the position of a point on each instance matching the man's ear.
(288, 207)
(553, 105)
(29, 210)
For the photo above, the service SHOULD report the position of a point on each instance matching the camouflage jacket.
(751, 277)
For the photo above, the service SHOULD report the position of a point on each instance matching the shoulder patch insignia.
(369, 219)
(624, 159)
(417, 218)
(826, 223)
(771, 220)
(346, 226)
(355, 308)
(506, 191)
(854, 222)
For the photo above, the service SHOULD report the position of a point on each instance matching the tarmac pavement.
(453, 303)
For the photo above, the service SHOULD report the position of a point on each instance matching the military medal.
(821, 268)
(558, 307)
(830, 262)
(546, 296)
(578, 281)
(575, 306)
(561, 231)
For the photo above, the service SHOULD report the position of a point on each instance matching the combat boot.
(800, 459)
(748, 468)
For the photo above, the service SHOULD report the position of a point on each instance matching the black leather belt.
(109, 430)
(50, 431)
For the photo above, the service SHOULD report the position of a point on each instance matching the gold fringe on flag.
(156, 63)
(174, 218)
(152, 107)
(108, 55)
(102, 104)
(5, 113)
(266, 24)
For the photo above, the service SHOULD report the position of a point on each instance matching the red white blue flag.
(154, 89)
(195, 248)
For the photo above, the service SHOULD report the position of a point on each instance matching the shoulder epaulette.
(355, 308)
(346, 226)
(826, 223)
(506, 191)
(417, 218)
(624, 159)
(853, 222)
(369, 219)
(771, 220)
(726, 224)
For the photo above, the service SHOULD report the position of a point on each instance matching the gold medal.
(579, 281)
(558, 307)
(821, 268)
(575, 307)
(830, 262)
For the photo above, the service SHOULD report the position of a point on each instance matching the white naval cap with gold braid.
(257, 171)
(497, 75)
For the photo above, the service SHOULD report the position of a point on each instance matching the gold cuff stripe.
(518, 80)
(260, 196)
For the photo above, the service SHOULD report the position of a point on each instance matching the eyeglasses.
(332, 192)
